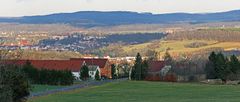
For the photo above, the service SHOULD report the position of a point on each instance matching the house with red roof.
(23, 43)
(74, 65)
(159, 71)
(103, 63)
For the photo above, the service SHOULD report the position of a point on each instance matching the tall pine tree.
(221, 68)
(139, 70)
(97, 76)
(113, 71)
(144, 69)
(234, 64)
(210, 66)
(138, 67)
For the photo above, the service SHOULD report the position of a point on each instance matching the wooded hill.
(98, 18)
(226, 35)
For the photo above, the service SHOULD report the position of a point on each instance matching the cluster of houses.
(157, 71)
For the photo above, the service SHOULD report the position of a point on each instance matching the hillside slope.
(96, 18)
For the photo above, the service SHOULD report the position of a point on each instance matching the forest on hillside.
(225, 35)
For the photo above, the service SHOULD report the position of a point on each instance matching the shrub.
(14, 86)
(46, 76)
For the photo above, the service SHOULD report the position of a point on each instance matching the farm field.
(142, 91)
(177, 46)
(45, 55)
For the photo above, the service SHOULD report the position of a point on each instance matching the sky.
(16, 8)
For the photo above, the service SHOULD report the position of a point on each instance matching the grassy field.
(46, 55)
(177, 46)
(227, 29)
(42, 88)
(132, 91)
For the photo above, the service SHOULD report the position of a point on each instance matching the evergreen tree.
(213, 57)
(133, 73)
(137, 68)
(84, 73)
(15, 84)
(43, 76)
(210, 70)
(210, 66)
(70, 77)
(113, 71)
(31, 72)
(234, 64)
(97, 75)
(144, 69)
(221, 68)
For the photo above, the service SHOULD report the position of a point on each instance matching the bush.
(14, 86)
(6, 93)
(54, 77)
(192, 78)
(50, 77)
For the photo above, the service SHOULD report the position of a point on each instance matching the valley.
(116, 39)
(178, 39)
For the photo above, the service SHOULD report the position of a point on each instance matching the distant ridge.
(98, 18)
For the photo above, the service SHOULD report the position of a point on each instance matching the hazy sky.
(39, 7)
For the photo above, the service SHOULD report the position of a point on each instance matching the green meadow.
(143, 91)
(43, 88)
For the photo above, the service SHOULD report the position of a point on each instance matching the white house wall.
(76, 75)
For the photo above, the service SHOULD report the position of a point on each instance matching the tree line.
(206, 34)
(46, 76)
(222, 67)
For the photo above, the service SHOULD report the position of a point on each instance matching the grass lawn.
(132, 91)
(42, 88)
